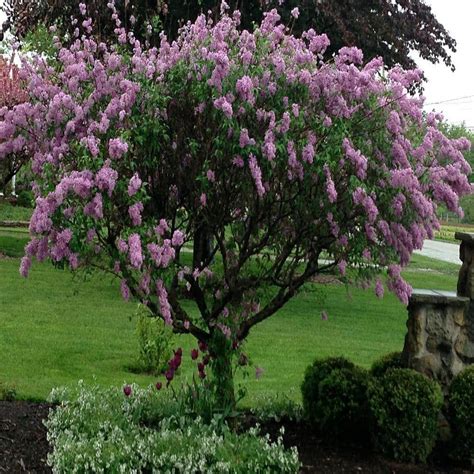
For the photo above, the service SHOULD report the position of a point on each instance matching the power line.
(450, 100)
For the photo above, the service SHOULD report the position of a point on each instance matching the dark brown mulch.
(23, 446)
(317, 455)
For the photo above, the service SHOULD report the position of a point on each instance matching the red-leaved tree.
(11, 94)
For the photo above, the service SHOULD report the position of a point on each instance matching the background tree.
(467, 202)
(296, 167)
(386, 28)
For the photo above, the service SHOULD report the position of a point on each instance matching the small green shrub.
(276, 408)
(405, 406)
(393, 360)
(461, 415)
(102, 430)
(25, 199)
(155, 340)
(7, 392)
(334, 396)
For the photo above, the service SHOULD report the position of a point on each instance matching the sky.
(444, 85)
(449, 92)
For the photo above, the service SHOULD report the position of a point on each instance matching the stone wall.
(440, 337)
(437, 342)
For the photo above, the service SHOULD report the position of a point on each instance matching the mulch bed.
(23, 446)
(317, 455)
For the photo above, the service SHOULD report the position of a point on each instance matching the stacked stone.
(440, 338)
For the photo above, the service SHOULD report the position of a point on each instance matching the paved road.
(441, 251)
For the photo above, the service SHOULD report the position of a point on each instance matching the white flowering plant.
(93, 429)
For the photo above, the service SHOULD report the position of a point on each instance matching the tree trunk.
(220, 349)
(201, 246)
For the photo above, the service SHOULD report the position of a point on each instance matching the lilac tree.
(250, 137)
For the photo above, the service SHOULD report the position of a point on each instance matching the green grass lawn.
(14, 213)
(13, 241)
(56, 329)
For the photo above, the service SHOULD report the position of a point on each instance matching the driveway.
(440, 251)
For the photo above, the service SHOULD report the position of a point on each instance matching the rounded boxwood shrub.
(461, 415)
(405, 406)
(334, 394)
(393, 360)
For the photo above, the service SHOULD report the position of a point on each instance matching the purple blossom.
(397, 284)
(342, 265)
(327, 122)
(330, 187)
(295, 13)
(244, 88)
(211, 176)
(134, 184)
(162, 228)
(223, 104)
(245, 140)
(94, 207)
(351, 55)
(358, 160)
(308, 153)
(256, 173)
(165, 307)
(91, 235)
(92, 143)
(163, 255)
(25, 266)
(135, 213)
(135, 250)
(238, 161)
(117, 148)
(285, 123)
(178, 239)
(106, 178)
(122, 246)
(125, 290)
(269, 148)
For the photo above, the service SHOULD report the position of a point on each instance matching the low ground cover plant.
(277, 408)
(132, 430)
